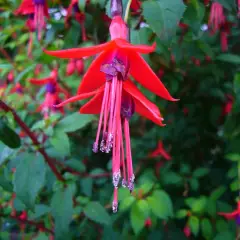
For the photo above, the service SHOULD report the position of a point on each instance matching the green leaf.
(138, 216)
(199, 205)
(5, 153)
(86, 186)
(217, 193)
(227, 57)
(39, 211)
(41, 236)
(76, 164)
(60, 142)
(181, 213)
(29, 178)
(8, 136)
(235, 157)
(200, 172)
(163, 16)
(62, 211)
(207, 229)
(193, 223)
(74, 122)
(96, 212)
(127, 202)
(225, 236)
(161, 204)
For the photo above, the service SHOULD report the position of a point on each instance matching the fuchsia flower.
(217, 17)
(79, 16)
(233, 215)
(53, 89)
(160, 151)
(218, 22)
(36, 9)
(115, 96)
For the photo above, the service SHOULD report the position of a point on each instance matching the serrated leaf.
(161, 204)
(29, 178)
(60, 142)
(74, 122)
(199, 205)
(163, 16)
(230, 58)
(206, 228)
(181, 213)
(193, 223)
(200, 172)
(62, 211)
(96, 212)
(137, 218)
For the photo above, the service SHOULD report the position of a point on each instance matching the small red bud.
(70, 67)
(208, 59)
(23, 216)
(80, 66)
(187, 231)
(161, 73)
(148, 222)
(10, 76)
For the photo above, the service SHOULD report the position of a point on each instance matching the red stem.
(31, 135)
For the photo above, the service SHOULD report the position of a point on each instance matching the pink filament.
(112, 125)
(39, 19)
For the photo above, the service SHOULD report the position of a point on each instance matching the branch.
(39, 226)
(31, 135)
(6, 55)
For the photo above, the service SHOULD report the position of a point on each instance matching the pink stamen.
(115, 200)
(131, 176)
(104, 103)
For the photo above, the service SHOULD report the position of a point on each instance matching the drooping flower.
(36, 8)
(115, 96)
(53, 89)
(235, 215)
(160, 151)
(73, 9)
(217, 17)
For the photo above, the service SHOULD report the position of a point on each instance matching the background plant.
(52, 184)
